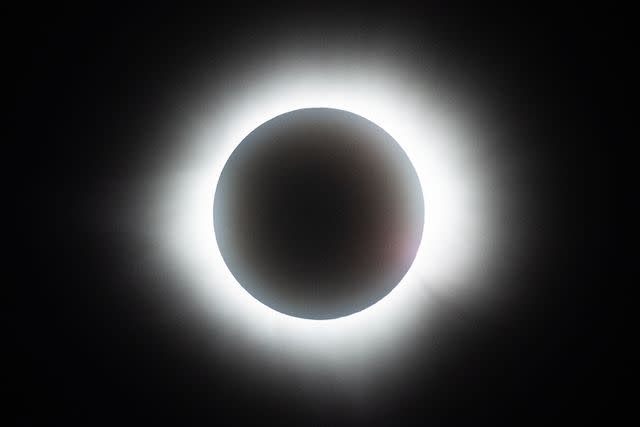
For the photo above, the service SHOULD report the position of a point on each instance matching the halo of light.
(443, 146)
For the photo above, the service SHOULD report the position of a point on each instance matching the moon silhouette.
(318, 213)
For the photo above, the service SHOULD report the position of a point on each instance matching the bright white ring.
(445, 150)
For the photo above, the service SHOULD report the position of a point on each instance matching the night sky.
(100, 336)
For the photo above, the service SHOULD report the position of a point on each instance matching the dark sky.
(94, 80)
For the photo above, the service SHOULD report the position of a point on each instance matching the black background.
(92, 80)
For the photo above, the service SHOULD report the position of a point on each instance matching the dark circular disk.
(318, 213)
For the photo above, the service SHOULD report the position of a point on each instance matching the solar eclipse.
(439, 267)
(447, 147)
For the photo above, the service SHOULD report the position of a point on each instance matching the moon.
(318, 213)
